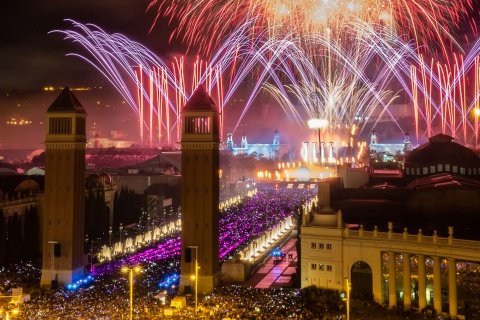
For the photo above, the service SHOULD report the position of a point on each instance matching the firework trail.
(341, 84)
(207, 22)
(447, 96)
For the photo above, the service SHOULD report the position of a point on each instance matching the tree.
(32, 234)
(14, 238)
(3, 239)
(39, 161)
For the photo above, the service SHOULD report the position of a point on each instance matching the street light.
(91, 251)
(14, 312)
(121, 235)
(110, 231)
(130, 270)
(196, 276)
(346, 297)
(53, 243)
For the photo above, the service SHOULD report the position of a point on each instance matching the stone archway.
(361, 281)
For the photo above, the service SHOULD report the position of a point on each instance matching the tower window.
(197, 125)
(60, 125)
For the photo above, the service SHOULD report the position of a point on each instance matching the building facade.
(393, 268)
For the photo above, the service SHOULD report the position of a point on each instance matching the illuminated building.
(63, 218)
(200, 192)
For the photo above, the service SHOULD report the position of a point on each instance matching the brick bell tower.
(200, 193)
(64, 200)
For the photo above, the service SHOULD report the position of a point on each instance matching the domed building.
(442, 155)
(27, 186)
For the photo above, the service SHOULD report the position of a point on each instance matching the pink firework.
(205, 23)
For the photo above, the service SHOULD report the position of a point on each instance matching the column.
(407, 284)
(392, 283)
(437, 285)
(422, 284)
(452, 287)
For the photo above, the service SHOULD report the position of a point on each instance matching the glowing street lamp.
(195, 277)
(13, 312)
(346, 296)
(130, 270)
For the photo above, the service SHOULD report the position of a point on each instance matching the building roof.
(441, 148)
(442, 180)
(28, 185)
(200, 101)
(66, 102)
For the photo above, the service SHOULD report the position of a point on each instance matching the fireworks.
(343, 84)
(207, 22)
(154, 89)
(446, 96)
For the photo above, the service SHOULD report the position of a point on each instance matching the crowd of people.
(107, 296)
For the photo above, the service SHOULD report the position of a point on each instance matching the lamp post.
(110, 231)
(91, 253)
(196, 276)
(53, 259)
(130, 274)
(346, 298)
(121, 236)
(14, 311)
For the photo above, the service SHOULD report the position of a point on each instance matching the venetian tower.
(63, 218)
(200, 193)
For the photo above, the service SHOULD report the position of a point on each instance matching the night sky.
(30, 58)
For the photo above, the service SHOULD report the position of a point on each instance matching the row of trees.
(19, 236)
(126, 210)
(20, 232)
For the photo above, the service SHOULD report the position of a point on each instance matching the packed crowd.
(107, 297)
(229, 302)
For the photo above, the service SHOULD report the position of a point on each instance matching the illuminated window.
(408, 170)
(314, 266)
(314, 245)
(440, 167)
(462, 170)
(418, 171)
(447, 167)
(425, 170)
(432, 169)
(455, 169)
(469, 171)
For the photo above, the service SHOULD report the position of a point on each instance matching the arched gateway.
(361, 281)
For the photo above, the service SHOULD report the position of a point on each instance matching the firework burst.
(207, 22)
